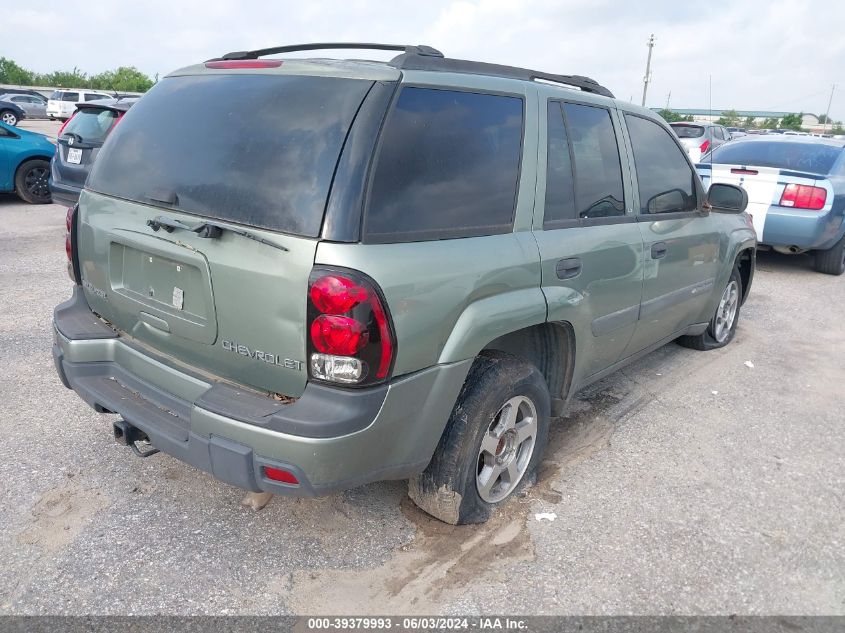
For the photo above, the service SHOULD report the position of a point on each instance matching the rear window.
(90, 125)
(258, 150)
(808, 156)
(688, 131)
(448, 166)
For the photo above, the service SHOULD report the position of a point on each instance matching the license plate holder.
(74, 155)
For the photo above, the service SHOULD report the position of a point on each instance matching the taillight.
(803, 197)
(703, 147)
(350, 336)
(69, 220)
(64, 125)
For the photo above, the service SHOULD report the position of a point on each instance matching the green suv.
(303, 275)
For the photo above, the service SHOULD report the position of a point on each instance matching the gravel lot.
(688, 483)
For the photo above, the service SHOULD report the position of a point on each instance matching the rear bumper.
(331, 439)
(804, 229)
(64, 194)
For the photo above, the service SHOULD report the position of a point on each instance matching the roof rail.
(421, 57)
(417, 51)
(416, 62)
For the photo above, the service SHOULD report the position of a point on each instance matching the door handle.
(568, 268)
(658, 250)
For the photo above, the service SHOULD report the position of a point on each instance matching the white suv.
(62, 103)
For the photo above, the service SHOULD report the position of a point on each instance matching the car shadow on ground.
(772, 261)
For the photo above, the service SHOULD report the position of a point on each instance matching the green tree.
(124, 79)
(837, 128)
(823, 118)
(792, 121)
(11, 73)
(729, 118)
(770, 124)
(671, 117)
(749, 123)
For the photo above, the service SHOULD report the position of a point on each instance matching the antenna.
(647, 76)
(827, 112)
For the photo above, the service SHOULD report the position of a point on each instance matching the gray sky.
(766, 55)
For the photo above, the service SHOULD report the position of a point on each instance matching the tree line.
(731, 118)
(122, 79)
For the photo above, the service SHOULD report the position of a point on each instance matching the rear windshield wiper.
(206, 230)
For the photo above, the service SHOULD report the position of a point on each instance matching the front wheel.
(9, 118)
(832, 260)
(722, 327)
(31, 181)
(492, 444)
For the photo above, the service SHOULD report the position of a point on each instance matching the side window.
(89, 96)
(717, 132)
(560, 191)
(447, 166)
(666, 181)
(598, 173)
(70, 96)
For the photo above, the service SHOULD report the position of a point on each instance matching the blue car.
(796, 192)
(25, 164)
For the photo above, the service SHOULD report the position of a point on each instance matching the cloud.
(772, 55)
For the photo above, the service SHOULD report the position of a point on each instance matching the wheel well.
(27, 159)
(745, 262)
(551, 348)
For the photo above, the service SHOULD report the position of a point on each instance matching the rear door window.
(70, 96)
(666, 181)
(598, 172)
(253, 149)
(90, 96)
(447, 167)
(560, 190)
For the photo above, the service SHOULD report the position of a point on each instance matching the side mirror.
(730, 198)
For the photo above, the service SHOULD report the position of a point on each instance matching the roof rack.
(417, 51)
(421, 57)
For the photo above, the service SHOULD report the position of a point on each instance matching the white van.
(62, 103)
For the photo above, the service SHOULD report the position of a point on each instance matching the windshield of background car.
(253, 149)
(90, 125)
(812, 157)
(688, 131)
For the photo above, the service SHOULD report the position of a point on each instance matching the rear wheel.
(492, 444)
(9, 118)
(722, 326)
(31, 181)
(832, 260)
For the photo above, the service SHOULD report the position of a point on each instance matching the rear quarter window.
(447, 166)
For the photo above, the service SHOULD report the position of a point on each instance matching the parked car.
(79, 141)
(22, 91)
(25, 164)
(305, 276)
(796, 191)
(700, 138)
(736, 132)
(11, 113)
(34, 107)
(62, 103)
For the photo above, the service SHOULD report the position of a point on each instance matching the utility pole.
(669, 96)
(827, 112)
(647, 67)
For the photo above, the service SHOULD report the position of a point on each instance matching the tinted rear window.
(448, 166)
(90, 125)
(69, 96)
(811, 157)
(253, 149)
(688, 131)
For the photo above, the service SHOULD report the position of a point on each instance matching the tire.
(9, 118)
(486, 452)
(722, 327)
(31, 181)
(832, 260)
